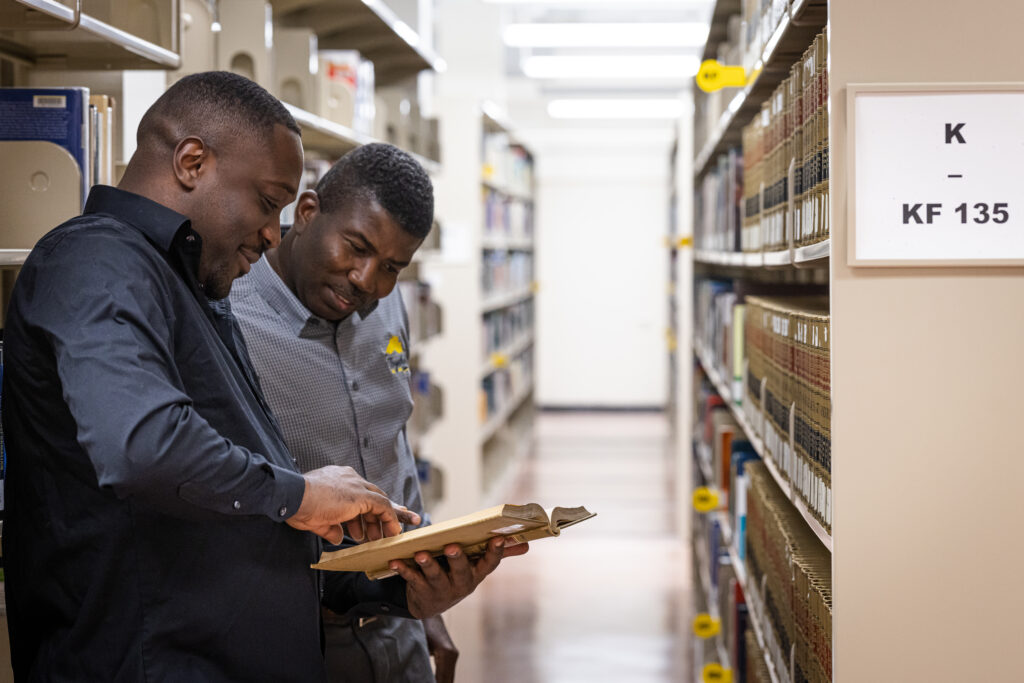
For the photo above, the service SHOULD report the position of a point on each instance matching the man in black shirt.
(155, 521)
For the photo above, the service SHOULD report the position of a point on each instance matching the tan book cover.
(523, 523)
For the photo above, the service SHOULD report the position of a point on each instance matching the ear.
(306, 211)
(192, 157)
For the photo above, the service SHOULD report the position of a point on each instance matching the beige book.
(522, 523)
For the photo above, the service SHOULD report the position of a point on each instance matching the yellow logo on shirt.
(394, 346)
(397, 360)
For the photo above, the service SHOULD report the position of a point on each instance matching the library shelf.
(496, 421)
(758, 619)
(808, 256)
(783, 48)
(755, 440)
(493, 302)
(506, 192)
(705, 580)
(500, 357)
(13, 258)
(369, 26)
(322, 135)
(811, 254)
(777, 259)
(46, 34)
(506, 243)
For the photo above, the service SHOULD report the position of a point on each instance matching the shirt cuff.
(278, 495)
(289, 489)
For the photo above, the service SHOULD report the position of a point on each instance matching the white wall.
(602, 214)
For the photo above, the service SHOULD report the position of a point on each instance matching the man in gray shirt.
(328, 336)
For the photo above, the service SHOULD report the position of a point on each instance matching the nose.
(270, 234)
(362, 276)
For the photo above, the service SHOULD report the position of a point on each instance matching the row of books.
(788, 392)
(507, 165)
(425, 318)
(755, 669)
(427, 402)
(506, 217)
(506, 326)
(506, 271)
(748, 32)
(791, 130)
(722, 453)
(500, 387)
(772, 350)
(717, 210)
(56, 143)
(795, 569)
(743, 201)
(770, 539)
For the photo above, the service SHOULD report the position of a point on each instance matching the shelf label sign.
(705, 499)
(715, 673)
(933, 175)
(706, 626)
(714, 75)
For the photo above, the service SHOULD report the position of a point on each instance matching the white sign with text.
(938, 177)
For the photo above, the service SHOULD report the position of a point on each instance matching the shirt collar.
(157, 222)
(269, 285)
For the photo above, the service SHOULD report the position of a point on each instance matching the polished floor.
(609, 599)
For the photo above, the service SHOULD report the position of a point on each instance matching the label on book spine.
(706, 626)
(705, 499)
(715, 673)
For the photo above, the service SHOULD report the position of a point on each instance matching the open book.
(523, 523)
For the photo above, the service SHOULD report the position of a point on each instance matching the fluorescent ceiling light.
(681, 34)
(615, 109)
(679, 67)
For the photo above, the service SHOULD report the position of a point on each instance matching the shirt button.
(385, 608)
(366, 441)
(190, 238)
(237, 505)
(283, 511)
(355, 386)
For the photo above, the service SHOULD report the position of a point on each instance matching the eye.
(357, 248)
(269, 205)
(394, 270)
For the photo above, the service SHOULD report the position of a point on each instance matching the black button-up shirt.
(147, 480)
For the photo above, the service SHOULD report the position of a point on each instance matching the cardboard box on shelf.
(296, 66)
(245, 43)
(345, 92)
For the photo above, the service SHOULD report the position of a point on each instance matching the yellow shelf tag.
(715, 76)
(706, 626)
(534, 287)
(684, 242)
(499, 360)
(716, 673)
(704, 499)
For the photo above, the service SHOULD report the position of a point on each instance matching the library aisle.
(609, 600)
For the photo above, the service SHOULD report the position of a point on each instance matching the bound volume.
(523, 523)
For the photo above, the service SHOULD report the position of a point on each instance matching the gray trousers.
(377, 650)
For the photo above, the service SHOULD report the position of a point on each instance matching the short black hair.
(389, 175)
(215, 104)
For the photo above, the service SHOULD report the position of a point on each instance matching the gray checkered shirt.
(342, 393)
